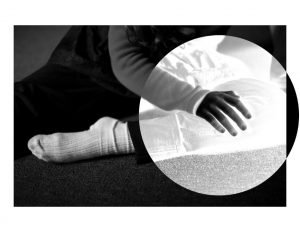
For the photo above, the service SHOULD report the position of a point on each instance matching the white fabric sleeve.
(168, 92)
(132, 68)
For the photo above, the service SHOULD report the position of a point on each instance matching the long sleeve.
(133, 69)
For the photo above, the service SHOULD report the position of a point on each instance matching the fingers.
(208, 117)
(233, 115)
(216, 112)
(234, 101)
(218, 105)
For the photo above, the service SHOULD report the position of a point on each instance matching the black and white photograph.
(153, 116)
(191, 109)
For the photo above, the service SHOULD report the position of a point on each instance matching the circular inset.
(199, 87)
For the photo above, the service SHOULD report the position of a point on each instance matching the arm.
(132, 68)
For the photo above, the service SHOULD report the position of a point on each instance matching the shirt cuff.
(196, 100)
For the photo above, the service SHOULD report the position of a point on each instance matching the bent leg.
(56, 99)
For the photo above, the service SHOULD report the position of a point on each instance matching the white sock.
(107, 136)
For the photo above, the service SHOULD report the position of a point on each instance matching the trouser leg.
(56, 99)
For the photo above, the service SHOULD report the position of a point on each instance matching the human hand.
(216, 104)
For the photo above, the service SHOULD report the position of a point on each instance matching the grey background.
(32, 47)
(34, 44)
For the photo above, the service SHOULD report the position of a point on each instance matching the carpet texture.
(120, 181)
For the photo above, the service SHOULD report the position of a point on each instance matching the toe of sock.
(34, 145)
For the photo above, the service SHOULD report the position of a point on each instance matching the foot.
(107, 136)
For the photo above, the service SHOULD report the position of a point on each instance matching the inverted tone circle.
(188, 149)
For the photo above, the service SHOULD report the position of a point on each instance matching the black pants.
(57, 99)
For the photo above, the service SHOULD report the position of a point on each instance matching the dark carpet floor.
(120, 181)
